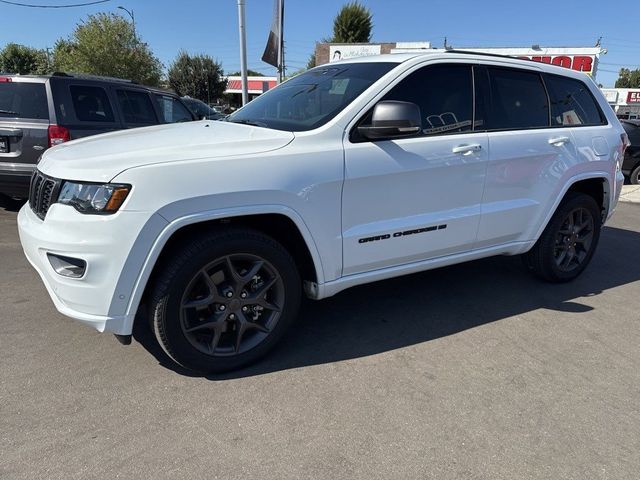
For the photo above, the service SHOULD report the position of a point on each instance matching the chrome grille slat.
(42, 193)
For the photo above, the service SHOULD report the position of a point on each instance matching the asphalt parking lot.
(476, 371)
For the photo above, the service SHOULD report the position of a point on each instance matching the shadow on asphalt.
(397, 313)
(10, 204)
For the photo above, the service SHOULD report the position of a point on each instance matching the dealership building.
(624, 101)
(255, 85)
(583, 59)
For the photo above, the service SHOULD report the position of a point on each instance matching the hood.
(100, 158)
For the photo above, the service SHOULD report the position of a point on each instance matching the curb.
(630, 194)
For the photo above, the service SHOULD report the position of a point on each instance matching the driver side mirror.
(392, 119)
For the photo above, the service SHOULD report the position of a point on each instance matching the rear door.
(24, 123)
(528, 157)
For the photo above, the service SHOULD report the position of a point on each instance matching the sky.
(211, 26)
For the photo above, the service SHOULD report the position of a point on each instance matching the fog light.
(67, 266)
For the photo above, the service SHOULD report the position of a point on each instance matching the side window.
(91, 104)
(136, 107)
(172, 109)
(518, 100)
(571, 102)
(444, 94)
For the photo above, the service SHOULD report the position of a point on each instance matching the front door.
(417, 198)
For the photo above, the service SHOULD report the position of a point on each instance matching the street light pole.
(243, 52)
(133, 22)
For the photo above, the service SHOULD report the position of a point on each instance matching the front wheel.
(569, 241)
(634, 176)
(224, 300)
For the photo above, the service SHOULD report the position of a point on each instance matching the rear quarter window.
(23, 100)
(91, 104)
(572, 103)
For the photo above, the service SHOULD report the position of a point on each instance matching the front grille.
(43, 192)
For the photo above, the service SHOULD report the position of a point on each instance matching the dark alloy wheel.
(224, 299)
(569, 240)
(574, 239)
(231, 305)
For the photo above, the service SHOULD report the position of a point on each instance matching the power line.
(53, 6)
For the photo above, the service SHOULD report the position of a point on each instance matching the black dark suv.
(631, 164)
(38, 112)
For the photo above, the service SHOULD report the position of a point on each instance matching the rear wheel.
(224, 300)
(568, 243)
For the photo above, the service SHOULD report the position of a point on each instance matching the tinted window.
(91, 104)
(444, 94)
(172, 110)
(518, 100)
(571, 102)
(136, 107)
(23, 100)
(311, 99)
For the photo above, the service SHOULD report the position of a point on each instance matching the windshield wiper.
(249, 122)
(9, 112)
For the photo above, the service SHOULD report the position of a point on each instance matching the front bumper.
(104, 242)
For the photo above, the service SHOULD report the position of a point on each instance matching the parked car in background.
(631, 163)
(38, 112)
(202, 110)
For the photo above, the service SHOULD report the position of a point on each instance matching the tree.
(106, 44)
(24, 60)
(198, 76)
(628, 78)
(250, 73)
(312, 60)
(353, 24)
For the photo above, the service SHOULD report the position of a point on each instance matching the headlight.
(93, 197)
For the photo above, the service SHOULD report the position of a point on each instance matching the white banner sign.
(343, 52)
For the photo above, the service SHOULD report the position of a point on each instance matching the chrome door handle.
(467, 149)
(558, 141)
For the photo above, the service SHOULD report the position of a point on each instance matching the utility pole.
(281, 40)
(243, 52)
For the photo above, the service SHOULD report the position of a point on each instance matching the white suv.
(349, 173)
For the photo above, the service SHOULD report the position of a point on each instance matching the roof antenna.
(598, 42)
(447, 46)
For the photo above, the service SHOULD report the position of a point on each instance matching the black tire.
(173, 294)
(545, 258)
(634, 176)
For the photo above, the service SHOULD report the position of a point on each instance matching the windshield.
(311, 99)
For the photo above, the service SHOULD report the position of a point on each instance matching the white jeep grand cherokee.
(349, 173)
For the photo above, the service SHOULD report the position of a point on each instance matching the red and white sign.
(633, 97)
(581, 63)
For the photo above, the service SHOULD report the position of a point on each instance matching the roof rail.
(468, 52)
(92, 77)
